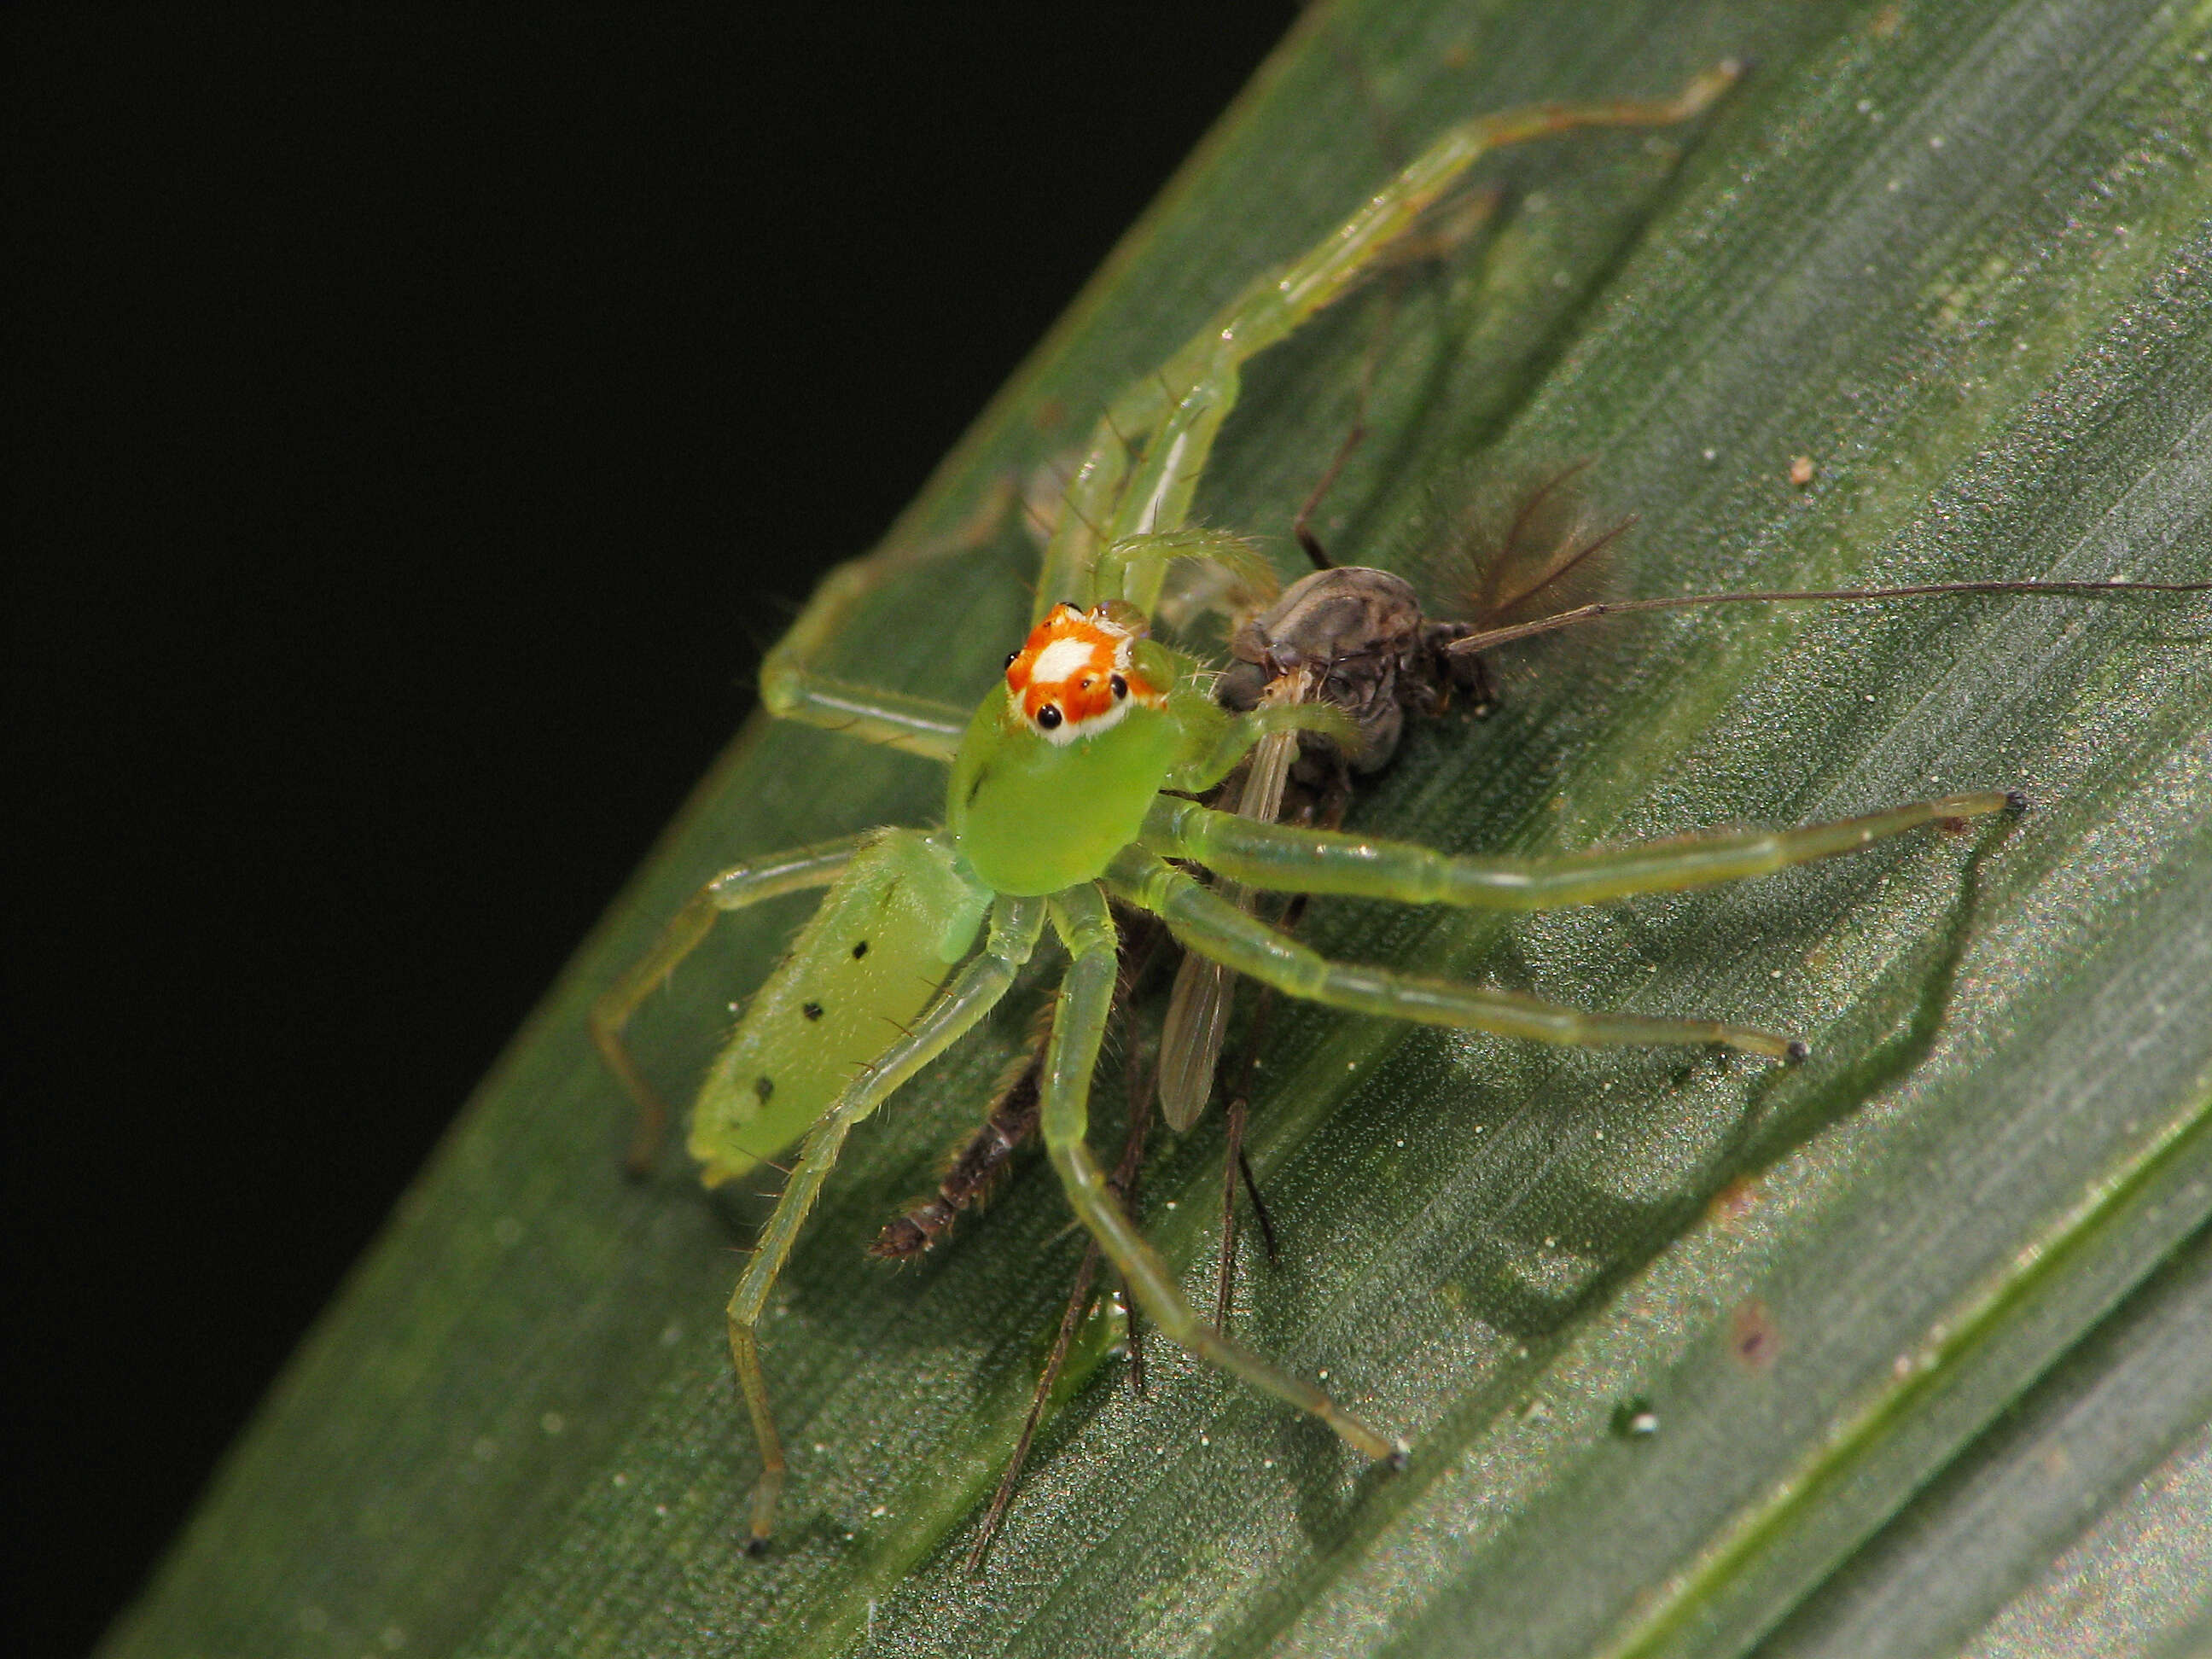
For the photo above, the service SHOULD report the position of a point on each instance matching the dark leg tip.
(1797, 1053)
(2016, 802)
(757, 1547)
(1401, 1454)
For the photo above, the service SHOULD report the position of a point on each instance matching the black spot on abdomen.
(811, 1009)
(859, 950)
(763, 1087)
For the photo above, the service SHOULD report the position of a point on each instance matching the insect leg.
(1015, 924)
(1010, 1119)
(1202, 922)
(1294, 860)
(1198, 1011)
(1235, 1166)
(1079, 914)
(741, 885)
(981, 1158)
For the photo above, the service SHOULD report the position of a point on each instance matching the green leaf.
(1912, 1321)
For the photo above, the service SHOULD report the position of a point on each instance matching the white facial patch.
(1062, 660)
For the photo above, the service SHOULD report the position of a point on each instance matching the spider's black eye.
(1120, 687)
(1010, 657)
(1049, 716)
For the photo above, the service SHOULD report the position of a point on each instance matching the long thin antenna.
(1489, 637)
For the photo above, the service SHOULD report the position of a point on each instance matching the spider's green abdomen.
(1032, 816)
(875, 953)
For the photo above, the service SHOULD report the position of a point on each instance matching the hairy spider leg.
(735, 888)
(1319, 861)
(1016, 924)
(1293, 861)
(1201, 921)
(1177, 412)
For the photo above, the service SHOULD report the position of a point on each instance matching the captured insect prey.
(1081, 811)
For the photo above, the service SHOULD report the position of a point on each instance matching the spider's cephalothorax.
(1087, 716)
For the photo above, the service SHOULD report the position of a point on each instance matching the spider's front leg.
(1202, 921)
(1292, 860)
(1015, 924)
(792, 688)
(1080, 916)
(1295, 861)
(1173, 416)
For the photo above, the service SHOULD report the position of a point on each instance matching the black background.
(415, 427)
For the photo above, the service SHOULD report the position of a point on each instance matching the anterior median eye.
(1120, 687)
(1049, 716)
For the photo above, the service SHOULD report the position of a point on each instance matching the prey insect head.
(1077, 675)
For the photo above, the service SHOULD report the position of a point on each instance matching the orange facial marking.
(1072, 673)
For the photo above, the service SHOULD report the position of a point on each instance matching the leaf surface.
(1956, 255)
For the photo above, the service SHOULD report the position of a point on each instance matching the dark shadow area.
(418, 422)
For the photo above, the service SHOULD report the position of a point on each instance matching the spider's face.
(1073, 677)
